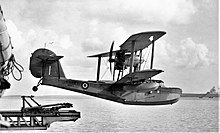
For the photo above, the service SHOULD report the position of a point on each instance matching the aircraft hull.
(165, 102)
(161, 96)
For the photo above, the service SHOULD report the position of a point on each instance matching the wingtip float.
(135, 88)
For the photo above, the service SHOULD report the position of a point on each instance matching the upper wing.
(138, 76)
(142, 40)
(106, 54)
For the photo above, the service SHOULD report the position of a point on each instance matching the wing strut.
(132, 56)
(152, 55)
(140, 54)
(98, 67)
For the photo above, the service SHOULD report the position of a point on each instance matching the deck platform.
(36, 117)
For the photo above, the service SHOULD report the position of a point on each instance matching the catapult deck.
(36, 117)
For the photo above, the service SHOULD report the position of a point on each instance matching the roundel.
(85, 85)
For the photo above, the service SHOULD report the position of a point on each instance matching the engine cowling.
(136, 61)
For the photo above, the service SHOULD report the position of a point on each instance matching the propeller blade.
(110, 56)
(111, 49)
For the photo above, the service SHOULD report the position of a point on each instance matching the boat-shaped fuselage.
(120, 93)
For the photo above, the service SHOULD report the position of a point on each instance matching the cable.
(105, 72)
(9, 68)
(146, 58)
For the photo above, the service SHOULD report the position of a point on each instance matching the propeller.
(110, 56)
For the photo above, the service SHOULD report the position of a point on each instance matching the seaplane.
(135, 88)
(7, 58)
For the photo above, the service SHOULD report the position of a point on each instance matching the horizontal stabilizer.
(142, 40)
(49, 58)
(139, 76)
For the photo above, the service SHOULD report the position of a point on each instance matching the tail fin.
(45, 64)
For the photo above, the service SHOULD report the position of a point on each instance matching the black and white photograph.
(71, 66)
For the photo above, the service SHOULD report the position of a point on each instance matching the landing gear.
(35, 88)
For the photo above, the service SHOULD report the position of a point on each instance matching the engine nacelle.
(136, 61)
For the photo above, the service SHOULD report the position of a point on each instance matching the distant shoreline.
(199, 95)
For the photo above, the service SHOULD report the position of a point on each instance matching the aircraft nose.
(178, 90)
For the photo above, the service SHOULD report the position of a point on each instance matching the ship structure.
(7, 58)
(37, 117)
(212, 93)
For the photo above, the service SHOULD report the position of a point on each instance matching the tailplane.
(45, 64)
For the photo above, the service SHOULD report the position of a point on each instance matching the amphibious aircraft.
(135, 88)
(7, 59)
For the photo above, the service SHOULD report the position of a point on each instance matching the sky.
(188, 53)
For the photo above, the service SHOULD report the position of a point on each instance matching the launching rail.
(36, 117)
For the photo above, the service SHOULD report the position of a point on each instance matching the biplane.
(135, 88)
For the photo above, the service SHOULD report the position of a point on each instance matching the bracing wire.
(104, 72)
(146, 58)
(106, 68)
(105, 62)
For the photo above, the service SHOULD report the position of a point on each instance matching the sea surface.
(98, 115)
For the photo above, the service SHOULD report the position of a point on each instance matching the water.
(98, 115)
